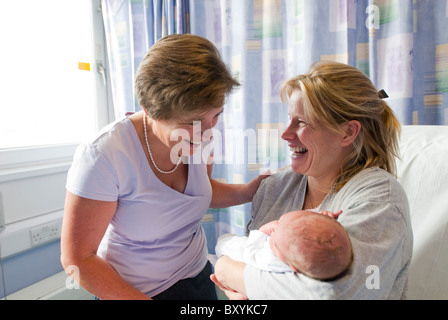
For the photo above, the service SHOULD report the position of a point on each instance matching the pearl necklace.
(150, 154)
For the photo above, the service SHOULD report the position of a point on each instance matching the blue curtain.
(132, 27)
(401, 44)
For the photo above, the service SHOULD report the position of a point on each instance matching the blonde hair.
(335, 93)
(182, 73)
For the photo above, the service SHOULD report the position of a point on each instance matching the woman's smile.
(192, 142)
(298, 152)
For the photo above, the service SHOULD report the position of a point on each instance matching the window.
(49, 96)
(49, 103)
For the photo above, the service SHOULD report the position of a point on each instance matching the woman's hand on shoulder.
(251, 188)
(226, 195)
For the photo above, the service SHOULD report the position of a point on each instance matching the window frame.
(26, 159)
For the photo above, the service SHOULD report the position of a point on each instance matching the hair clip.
(382, 94)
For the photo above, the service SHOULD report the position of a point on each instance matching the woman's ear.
(351, 131)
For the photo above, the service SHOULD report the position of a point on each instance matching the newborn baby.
(313, 244)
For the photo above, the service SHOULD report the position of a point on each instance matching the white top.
(253, 250)
(155, 237)
(375, 213)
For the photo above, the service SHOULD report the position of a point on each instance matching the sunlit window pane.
(44, 97)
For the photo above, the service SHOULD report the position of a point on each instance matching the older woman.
(343, 138)
(135, 197)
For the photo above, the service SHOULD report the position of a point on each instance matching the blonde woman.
(343, 139)
(134, 202)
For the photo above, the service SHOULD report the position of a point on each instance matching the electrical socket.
(45, 233)
(2, 213)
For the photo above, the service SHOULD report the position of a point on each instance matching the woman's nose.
(288, 134)
(203, 131)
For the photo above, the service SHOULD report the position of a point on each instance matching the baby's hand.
(334, 215)
(268, 227)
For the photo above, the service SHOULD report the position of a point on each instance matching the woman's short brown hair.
(182, 73)
(335, 93)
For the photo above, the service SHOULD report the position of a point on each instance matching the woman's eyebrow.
(200, 117)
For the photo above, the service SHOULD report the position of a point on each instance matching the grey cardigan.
(375, 215)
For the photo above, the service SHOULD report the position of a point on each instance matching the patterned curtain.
(132, 27)
(401, 44)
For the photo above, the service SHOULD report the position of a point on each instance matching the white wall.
(32, 189)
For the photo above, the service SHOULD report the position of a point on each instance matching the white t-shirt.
(375, 213)
(254, 250)
(155, 237)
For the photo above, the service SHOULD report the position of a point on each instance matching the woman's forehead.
(202, 114)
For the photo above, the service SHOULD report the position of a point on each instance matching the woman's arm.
(229, 277)
(227, 195)
(85, 222)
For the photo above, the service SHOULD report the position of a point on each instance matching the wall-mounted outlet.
(2, 213)
(45, 233)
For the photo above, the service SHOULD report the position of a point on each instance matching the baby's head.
(313, 244)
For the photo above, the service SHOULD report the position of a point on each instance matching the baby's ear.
(269, 227)
(293, 268)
